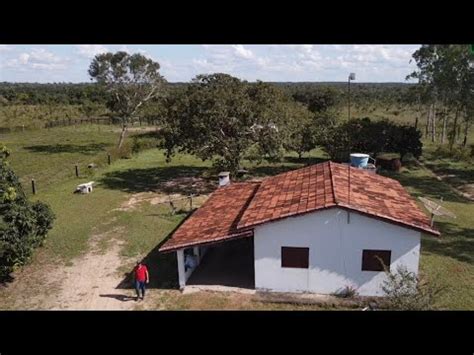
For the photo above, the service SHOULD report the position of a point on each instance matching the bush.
(124, 152)
(372, 137)
(405, 291)
(347, 292)
(456, 153)
(23, 225)
(140, 143)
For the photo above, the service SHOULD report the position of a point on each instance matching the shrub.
(372, 137)
(456, 153)
(347, 292)
(140, 143)
(124, 152)
(405, 291)
(23, 225)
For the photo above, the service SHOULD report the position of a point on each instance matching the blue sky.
(69, 63)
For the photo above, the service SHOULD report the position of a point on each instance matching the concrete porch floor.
(227, 266)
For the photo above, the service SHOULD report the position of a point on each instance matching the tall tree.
(447, 70)
(220, 117)
(131, 80)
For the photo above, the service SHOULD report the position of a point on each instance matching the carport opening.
(228, 264)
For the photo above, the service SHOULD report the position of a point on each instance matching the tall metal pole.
(349, 97)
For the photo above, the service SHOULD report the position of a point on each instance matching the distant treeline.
(51, 94)
(78, 94)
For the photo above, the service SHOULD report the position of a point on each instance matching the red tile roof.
(326, 185)
(233, 211)
(216, 219)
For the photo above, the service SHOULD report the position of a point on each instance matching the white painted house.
(316, 229)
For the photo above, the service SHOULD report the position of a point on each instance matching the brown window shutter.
(370, 262)
(295, 257)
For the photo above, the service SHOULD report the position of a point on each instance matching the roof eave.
(243, 234)
(385, 218)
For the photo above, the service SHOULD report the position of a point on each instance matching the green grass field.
(49, 156)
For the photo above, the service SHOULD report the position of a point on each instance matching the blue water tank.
(359, 160)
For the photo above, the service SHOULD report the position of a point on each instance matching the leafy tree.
(23, 225)
(306, 130)
(318, 99)
(131, 80)
(447, 70)
(220, 117)
(372, 137)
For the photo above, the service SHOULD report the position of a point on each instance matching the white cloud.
(242, 52)
(90, 50)
(23, 58)
(37, 58)
(5, 48)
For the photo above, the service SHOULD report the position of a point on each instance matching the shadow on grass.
(89, 149)
(427, 186)
(162, 267)
(174, 179)
(454, 175)
(459, 245)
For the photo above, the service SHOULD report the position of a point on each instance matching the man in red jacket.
(141, 278)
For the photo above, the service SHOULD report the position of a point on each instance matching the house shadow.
(169, 179)
(162, 267)
(88, 149)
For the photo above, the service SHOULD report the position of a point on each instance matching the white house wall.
(335, 252)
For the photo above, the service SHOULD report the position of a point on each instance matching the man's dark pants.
(140, 285)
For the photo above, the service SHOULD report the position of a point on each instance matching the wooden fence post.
(77, 170)
(33, 186)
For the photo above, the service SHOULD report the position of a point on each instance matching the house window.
(371, 261)
(295, 257)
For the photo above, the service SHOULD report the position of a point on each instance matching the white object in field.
(224, 178)
(85, 188)
(335, 252)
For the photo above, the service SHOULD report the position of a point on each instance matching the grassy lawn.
(49, 157)
(449, 259)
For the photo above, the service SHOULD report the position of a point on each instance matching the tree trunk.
(433, 124)
(466, 130)
(122, 136)
(428, 122)
(445, 122)
(452, 137)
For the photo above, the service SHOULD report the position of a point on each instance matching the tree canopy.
(132, 80)
(23, 225)
(220, 117)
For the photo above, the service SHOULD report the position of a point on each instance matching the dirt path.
(90, 283)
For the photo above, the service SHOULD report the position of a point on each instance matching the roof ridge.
(332, 183)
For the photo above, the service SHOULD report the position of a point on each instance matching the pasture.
(126, 217)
